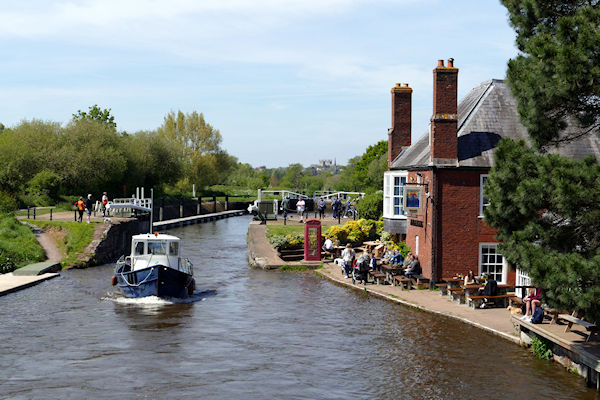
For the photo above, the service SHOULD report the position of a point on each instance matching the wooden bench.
(443, 288)
(378, 277)
(551, 311)
(403, 281)
(514, 300)
(457, 294)
(476, 301)
(419, 281)
(590, 327)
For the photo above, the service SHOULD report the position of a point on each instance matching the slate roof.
(487, 114)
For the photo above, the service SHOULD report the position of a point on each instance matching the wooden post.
(214, 204)
(181, 207)
(160, 211)
(200, 204)
(50, 214)
(226, 202)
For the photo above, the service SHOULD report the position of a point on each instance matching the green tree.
(95, 113)
(89, 157)
(546, 207)
(152, 160)
(556, 78)
(547, 211)
(204, 162)
(293, 177)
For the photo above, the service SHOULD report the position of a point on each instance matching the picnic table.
(453, 282)
(390, 271)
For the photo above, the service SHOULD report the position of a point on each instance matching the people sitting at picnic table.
(470, 278)
(362, 267)
(328, 245)
(348, 256)
(490, 289)
(532, 301)
(373, 263)
(407, 260)
(414, 269)
(396, 257)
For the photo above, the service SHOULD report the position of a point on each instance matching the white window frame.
(480, 261)
(389, 196)
(483, 201)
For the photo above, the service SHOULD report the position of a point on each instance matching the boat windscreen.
(173, 248)
(139, 248)
(157, 247)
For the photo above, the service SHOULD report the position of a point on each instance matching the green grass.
(18, 243)
(282, 230)
(77, 236)
(293, 268)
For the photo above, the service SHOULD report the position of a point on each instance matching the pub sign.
(413, 196)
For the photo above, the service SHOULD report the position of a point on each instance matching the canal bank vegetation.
(18, 245)
(45, 163)
(71, 238)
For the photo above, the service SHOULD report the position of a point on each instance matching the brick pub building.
(451, 165)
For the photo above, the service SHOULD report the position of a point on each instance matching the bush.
(6, 264)
(7, 203)
(287, 242)
(541, 348)
(354, 231)
(371, 206)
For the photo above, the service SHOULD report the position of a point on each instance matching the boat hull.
(157, 280)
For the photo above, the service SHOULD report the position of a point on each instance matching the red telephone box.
(312, 240)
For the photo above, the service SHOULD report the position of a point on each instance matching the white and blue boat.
(154, 268)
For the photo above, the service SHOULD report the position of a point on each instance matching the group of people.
(321, 204)
(366, 262)
(87, 206)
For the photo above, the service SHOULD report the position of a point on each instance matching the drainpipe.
(434, 228)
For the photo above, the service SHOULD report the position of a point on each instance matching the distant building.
(261, 168)
(450, 166)
(329, 165)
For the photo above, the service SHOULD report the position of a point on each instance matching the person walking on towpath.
(88, 207)
(300, 205)
(80, 207)
(104, 204)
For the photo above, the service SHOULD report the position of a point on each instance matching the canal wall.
(111, 241)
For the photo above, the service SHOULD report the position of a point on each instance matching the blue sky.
(284, 81)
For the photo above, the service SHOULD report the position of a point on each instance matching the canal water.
(252, 334)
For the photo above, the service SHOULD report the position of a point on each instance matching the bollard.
(284, 218)
(33, 212)
(226, 202)
(27, 212)
(214, 204)
(200, 204)
(50, 214)
(75, 215)
(161, 209)
(339, 217)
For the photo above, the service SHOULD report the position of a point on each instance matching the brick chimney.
(399, 133)
(443, 140)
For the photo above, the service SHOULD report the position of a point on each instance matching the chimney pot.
(451, 63)
(440, 63)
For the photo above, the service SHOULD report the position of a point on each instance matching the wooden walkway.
(196, 219)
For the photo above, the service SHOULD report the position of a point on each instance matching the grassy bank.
(18, 245)
(71, 237)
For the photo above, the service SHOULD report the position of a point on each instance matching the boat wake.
(153, 301)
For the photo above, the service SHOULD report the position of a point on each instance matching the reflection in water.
(251, 334)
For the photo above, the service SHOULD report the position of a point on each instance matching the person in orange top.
(80, 207)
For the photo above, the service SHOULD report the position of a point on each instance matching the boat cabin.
(154, 249)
